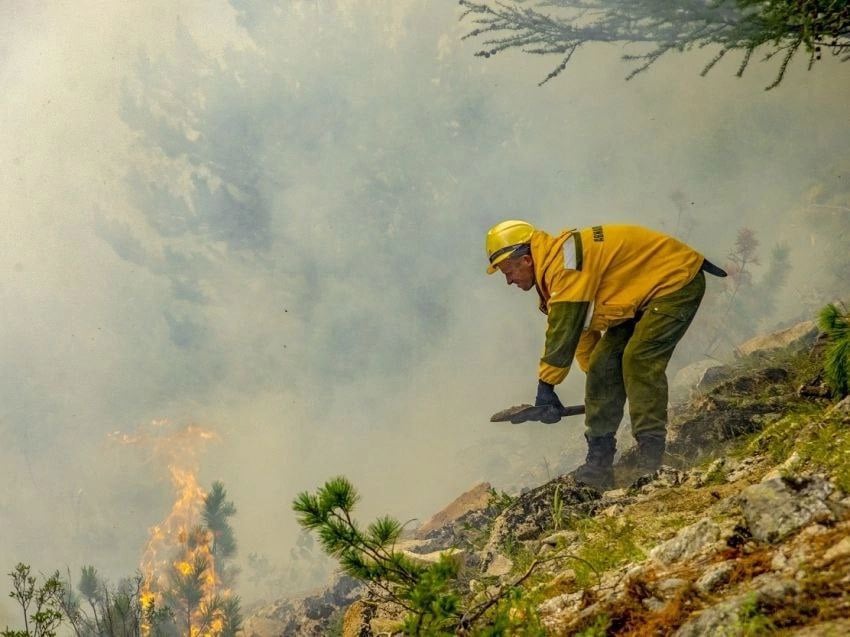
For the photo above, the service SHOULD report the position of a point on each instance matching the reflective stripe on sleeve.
(570, 261)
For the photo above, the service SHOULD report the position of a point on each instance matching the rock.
(715, 575)
(773, 375)
(774, 590)
(669, 587)
(526, 530)
(843, 507)
(720, 620)
(615, 495)
(840, 409)
(749, 382)
(653, 604)
(741, 470)
(803, 335)
(566, 603)
(777, 507)
(687, 543)
(566, 577)
(560, 538)
(385, 626)
(612, 511)
(837, 551)
(637, 572)
(531, 514)
(709, 422)
(664, 478)
(712, 377)
(499, 566)
(356, 622)
(779, 562)
(715, 621)
(414, 546)
(476, 499)
(458, 556)
(815, 388)
(310, 614)
(464, 532)
(689, 377)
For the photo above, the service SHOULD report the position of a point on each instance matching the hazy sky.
(268, 219)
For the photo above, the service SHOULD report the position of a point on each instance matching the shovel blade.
(506, 414)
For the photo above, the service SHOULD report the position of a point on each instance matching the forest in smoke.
(267, 218)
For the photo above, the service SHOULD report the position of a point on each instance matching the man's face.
(518, 271)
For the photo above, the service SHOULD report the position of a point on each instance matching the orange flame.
(178, 555)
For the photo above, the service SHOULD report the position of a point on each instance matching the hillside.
(744, 531)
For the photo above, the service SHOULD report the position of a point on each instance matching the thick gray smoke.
(268, 218)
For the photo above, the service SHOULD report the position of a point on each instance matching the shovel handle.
(572, 410)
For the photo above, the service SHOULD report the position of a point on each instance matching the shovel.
(548, 414)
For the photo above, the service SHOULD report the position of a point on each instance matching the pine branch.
(559, 26)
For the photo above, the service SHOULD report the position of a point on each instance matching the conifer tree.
(836, 325)
(370, 555)
(436, 601)
(186, 588)
(232, 615)
(216, 514)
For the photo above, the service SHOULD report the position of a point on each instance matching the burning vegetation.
(184, 584)
(186, 580)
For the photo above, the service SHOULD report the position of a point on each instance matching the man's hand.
(546, 396)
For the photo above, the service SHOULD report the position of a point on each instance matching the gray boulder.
(690, 376)
(532, 514)
(715, 575)
(687, 543)
(726, 618)
(777, 507)
(802, 334)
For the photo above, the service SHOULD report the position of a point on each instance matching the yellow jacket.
(592, 279)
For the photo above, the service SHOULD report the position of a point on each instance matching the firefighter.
(618, 298)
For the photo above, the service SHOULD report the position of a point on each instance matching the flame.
(179, 552)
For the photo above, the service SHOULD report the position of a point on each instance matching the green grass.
(778, 440)
(717, 475)
(822, 442)
(752, 622)
(499, 500)
(827, 447)
(606, 543)
(519, 554)
(514, 615)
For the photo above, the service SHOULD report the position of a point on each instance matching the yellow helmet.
(504, 238)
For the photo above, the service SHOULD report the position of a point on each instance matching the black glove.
(546, 396)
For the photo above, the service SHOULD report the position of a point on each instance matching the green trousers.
(630, 361)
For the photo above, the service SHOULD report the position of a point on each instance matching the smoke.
(268, 218)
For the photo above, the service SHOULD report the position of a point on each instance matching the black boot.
(650, 451)
(597, 470)
(642, 459)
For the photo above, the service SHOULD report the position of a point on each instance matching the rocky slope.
(744, 531)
